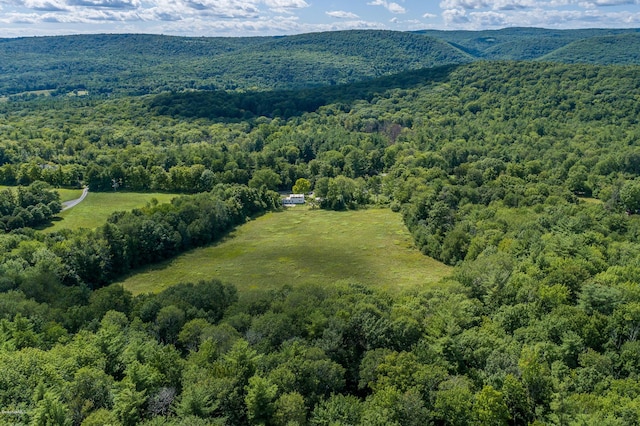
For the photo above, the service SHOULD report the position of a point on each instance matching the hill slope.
(141, 64)
(530, 43)
(136, 64)
(622, 49)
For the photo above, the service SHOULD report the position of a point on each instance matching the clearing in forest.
(94, 210)
(300, 246)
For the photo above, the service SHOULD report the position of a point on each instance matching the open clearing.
(299, 247)
(94, 210)
(68, 194)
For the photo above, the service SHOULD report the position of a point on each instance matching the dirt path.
(71, 203)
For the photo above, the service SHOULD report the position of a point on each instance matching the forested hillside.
(522, 175)
(141, 64)
(620, 49)
(535, 43)
(137, 64)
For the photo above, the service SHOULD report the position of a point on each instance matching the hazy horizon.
(286, 17)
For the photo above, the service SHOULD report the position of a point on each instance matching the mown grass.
(299, 247)
(94, 210)
(69, 194)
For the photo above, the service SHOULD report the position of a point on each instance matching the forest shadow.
(236, 106)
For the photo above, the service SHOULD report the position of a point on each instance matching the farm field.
(98, 206)
(301, 246)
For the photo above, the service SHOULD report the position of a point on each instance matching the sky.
(20, 18)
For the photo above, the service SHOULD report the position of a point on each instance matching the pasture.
(298, 247)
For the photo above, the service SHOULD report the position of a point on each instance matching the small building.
(292, 199)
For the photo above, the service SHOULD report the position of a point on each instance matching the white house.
(293, 199)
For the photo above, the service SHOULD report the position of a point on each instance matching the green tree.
(577, 180)
(197, 399)
(516, 398)
(101, 417)
(630, 195)
(338, 410)
(169, 322)
(265, 177)
(230, 386)
(389, 406)
(290, 410)
(536, 375)
(128, 404)
(454, 402)
(91, 389)
(490, 408)
(50, 411)
(260, 399)
(192, 332)
(302, 186)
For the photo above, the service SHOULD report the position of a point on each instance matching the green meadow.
(94, 210)
(299, 247)
(69, 194)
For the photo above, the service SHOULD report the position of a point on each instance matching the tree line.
(30, 206)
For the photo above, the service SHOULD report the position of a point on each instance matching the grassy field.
(69, 194)
(301, 246)
(96, 208)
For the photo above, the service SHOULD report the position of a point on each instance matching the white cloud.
(514, 4)
(615, 2)
(285, 6)
(489, 19)
(223, 8)
(547, 17)
(479, 14)
(45, 5)
(90, 16)
(341, 14)
(262, 26)
(464, 4)
(455, 17)
(529, 4)
(165, 10)
(390, 6)
(109, 4)
(486, 4)
(274, 17)
(176, 17)
(598, 3)
(395, 8)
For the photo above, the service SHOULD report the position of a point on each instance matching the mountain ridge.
(135, 64)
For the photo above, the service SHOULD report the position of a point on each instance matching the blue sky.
(279, 17)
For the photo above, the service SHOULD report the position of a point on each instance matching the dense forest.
(595, 46)
(140, 64)
(137, 64)
(523, 175)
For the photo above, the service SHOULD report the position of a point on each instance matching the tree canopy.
(521, 175)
